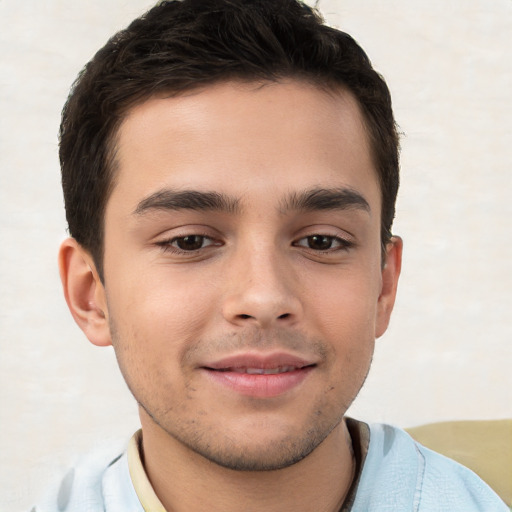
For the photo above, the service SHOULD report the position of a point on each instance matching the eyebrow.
(316, 199)
(325, 199)
(168, 199)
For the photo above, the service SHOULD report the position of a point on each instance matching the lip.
(229, 372)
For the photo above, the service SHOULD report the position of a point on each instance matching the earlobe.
(390, 275)
(84, 292)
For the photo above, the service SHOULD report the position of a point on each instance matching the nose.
(261, 290)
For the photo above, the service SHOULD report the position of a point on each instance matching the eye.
(188, 243)
(323, 243)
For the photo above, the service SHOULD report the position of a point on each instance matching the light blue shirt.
(399, 475)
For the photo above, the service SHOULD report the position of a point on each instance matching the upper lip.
(258, 360)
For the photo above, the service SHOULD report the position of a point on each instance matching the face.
(243, 279)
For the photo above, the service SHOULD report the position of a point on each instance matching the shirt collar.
(145, 492)
(359, 432)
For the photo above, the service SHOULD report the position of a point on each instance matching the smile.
(261, 371)
(257, 375)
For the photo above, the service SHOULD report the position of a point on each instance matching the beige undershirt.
(359, 432)
(145, 493)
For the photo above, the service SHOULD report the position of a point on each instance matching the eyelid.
(345, 240)
(344, 243)
(166, 244)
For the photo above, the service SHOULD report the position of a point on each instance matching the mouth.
(259, 376)
(260, 371)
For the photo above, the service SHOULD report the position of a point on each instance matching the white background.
(447, 354)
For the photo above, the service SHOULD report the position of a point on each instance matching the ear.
(84, 292)
(390, 275)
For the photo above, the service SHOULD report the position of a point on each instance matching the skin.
(259, 274)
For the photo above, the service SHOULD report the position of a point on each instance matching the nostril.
(245, 317)
(283, 316)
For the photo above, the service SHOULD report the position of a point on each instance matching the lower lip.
(260, 386)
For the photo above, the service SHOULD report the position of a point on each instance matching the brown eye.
(325, 243)
(320, 242)
(189, 243)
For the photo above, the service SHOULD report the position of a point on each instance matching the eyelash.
(343, 244)
(166, 245)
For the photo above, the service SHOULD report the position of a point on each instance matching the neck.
(185, 481)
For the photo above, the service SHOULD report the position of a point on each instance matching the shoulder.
(400, 474)
(82, 487)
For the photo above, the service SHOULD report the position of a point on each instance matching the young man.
(230, 169)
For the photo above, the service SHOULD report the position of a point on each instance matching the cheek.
(345, 303)
(159, 298)
(156, 317)
(345, 314)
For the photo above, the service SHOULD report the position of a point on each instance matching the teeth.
(253, 371)
(265, 371)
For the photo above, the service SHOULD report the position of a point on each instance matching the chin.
(266, 448)
(269, 456)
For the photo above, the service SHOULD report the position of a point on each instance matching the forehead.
(243, 137)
